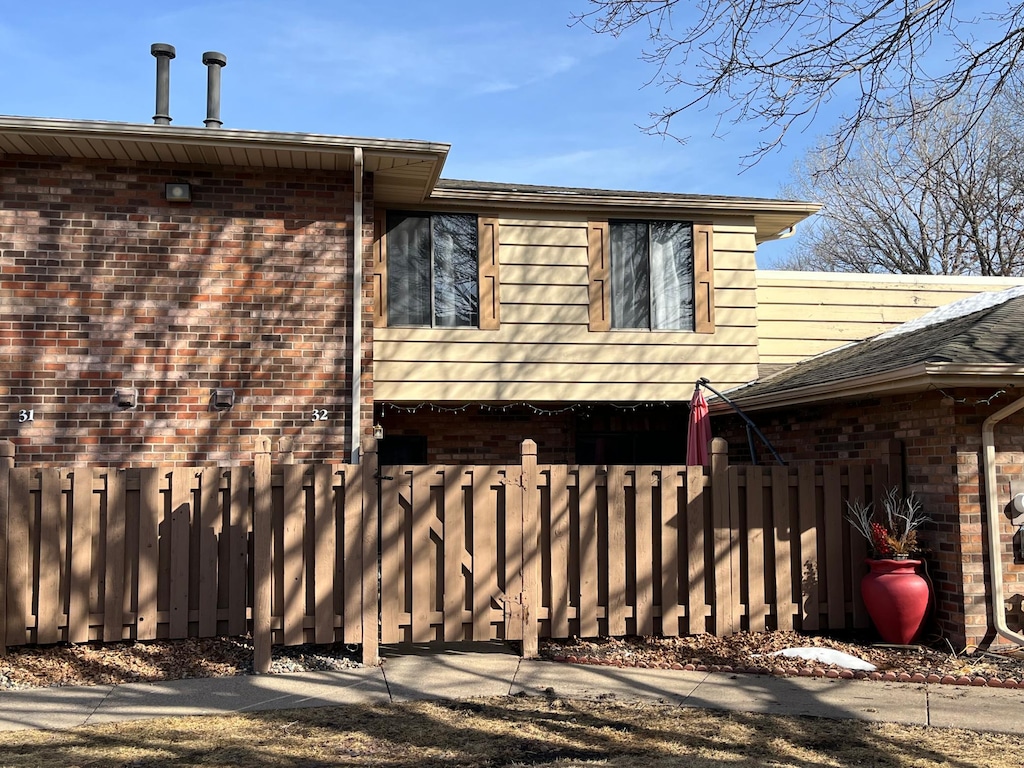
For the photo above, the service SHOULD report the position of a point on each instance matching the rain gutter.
(357, 301)
(995, 560)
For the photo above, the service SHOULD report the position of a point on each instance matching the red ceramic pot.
(896, 597)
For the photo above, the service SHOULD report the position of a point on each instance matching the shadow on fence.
(292, 553)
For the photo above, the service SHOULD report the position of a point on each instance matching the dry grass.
(531, 732)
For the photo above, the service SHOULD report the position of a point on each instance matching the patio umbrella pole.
(751, 426)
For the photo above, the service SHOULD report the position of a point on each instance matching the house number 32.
(320, 414)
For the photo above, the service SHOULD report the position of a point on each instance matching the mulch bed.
(133, 662)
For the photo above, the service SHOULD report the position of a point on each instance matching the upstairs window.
(652, 275)
(437, 270)
(432, 270)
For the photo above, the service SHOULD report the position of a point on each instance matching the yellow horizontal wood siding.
(544, 350)
(800, 314)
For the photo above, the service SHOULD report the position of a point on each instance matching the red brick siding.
(480, 436)
(106, 285)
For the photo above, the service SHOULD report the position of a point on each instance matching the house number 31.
(319, 414)
(24, 415)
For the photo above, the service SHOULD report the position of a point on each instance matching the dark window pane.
(455, 270)
(630, 284)
(408, 269)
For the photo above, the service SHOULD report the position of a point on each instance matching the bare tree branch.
(778, 62)
(944, 196)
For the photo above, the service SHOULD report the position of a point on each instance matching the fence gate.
(451, 554)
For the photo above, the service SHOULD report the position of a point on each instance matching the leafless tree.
(776, 63)
(938, 199)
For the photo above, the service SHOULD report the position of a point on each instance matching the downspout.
(357, 300)
(995, 560)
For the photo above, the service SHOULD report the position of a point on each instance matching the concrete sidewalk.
(457, 675)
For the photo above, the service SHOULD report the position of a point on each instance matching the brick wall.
(483, 436)
(941, 436)
(106, 285)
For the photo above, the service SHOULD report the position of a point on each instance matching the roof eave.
(771, 216)
(286, 150)
(908, 379)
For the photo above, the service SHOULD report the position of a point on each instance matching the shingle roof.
(992, 336)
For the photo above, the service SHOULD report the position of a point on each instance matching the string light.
(535, 409)
(964, 401)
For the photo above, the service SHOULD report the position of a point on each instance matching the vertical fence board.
(513, 553)
(18, 557)
(6, 460)
(696, 561)
(484, 549)
(722, 526)
(325, 549)
(292, 569)
(151, 507)
(587, 484)
(668, 489)
(211, 521)
(454, 553)
(857, 545)
(113, 592)
(646, 568)
(616, 550)
(392, 548)
(783, 554)
(833, 535)
(181, 518)
(808, 548)
(49, 610)
(18, 582)
(737, 543)
(559, 485)
(239, 525)
(355, 558)
(262, 546)
(422, 562)
(757, 608)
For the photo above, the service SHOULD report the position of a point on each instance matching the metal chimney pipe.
(163, 53)
(214, 61)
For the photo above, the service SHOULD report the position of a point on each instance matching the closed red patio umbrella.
(698, 431)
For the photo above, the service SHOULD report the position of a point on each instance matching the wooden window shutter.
(380, 271)
(490, 293)
(598, 251)
(703, 278)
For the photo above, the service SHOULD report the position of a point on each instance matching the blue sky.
(520, 94)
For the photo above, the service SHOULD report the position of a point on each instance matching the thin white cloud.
(474, 59)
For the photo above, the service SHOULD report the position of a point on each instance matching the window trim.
(488, 271)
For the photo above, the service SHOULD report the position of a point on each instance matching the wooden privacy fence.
(529, 551)
(518, 552)
(108, 554)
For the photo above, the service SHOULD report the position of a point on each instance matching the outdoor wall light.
(222, 399)
(125, 398)
(178, 192)
(378, 432)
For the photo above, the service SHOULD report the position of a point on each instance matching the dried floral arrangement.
(894, 533)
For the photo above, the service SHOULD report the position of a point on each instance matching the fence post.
(531, 549)
(262, 550)
(371, 557)
(6, 464)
